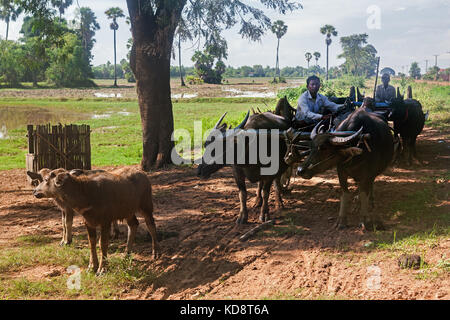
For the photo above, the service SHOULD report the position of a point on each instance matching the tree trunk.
(179, 61)
(7, 29)
(150, 62)
(327, 60)
(277, 63)
(115, 72)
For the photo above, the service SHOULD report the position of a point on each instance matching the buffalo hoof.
(64, 243)
(101, 272)
(156, 253)
(264, 218)
(92, 268)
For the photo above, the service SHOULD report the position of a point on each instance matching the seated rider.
(385, 92)
(312, 105)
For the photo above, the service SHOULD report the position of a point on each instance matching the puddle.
(248, 94)
(19, 116)
(124, 113)
(101, 116)
(107, 95)
(184, 95)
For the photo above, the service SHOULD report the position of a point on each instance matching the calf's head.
(51, 183)
(327, 150)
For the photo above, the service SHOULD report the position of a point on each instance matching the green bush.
(292, 94)
(194, 80)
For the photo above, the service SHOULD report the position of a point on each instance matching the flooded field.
(240, 87)
(12, 117)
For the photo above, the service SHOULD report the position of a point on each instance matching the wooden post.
(376, 78)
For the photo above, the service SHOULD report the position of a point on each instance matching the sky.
(402, 31)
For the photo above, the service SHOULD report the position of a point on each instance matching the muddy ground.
(301, 257)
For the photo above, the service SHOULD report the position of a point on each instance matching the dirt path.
(302, 256)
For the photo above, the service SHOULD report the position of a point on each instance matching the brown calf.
(102, 198)
(67, 212)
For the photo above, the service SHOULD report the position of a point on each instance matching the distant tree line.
(106, 71)
(254, 71)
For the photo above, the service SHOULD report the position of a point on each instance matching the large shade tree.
(153, 25)
(329, 31)
(113, 14)
(360, 57)
(279, 29)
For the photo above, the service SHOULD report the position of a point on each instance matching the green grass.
(434, 98)
(36, 251)
(116, 139)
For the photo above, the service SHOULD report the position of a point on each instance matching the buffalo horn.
(220, 120)
(243, 121)
(339, 141)
(314, 131)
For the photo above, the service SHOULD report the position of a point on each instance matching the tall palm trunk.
(327, 60)
(7, 28)
(115, 71)
(179, 61)
(277, 63)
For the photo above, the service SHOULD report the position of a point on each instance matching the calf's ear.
(34, 176)
(61, 178)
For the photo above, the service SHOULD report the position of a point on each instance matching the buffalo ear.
(34, 176)
(61, 178)
(350, 152)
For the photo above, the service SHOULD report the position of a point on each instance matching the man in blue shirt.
(312, 104)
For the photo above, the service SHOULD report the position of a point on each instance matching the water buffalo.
(66, 212)
(265, 120)
(409, 121)
(361, 148)
(102, 198)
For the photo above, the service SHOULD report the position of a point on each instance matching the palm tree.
(183, 34)
(280, 29)
(308, 57)
(316, 56)
(329, 30)
(62, 5)
(114, 13)
(9, 12)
